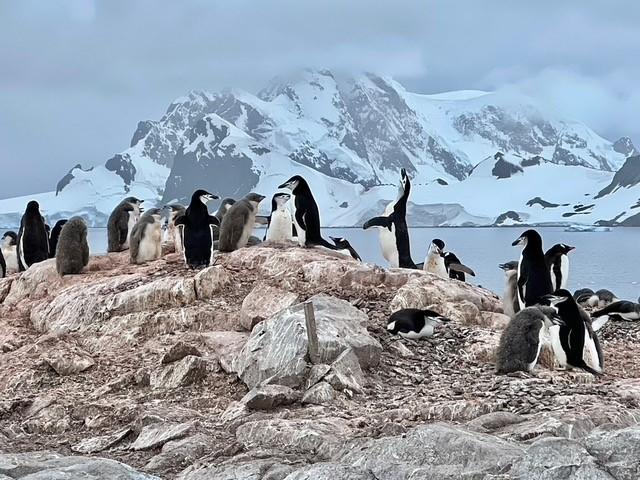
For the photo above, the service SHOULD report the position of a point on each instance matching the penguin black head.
(133, 200)
(226, 203)
(279, 199)
(254, 198)
(33, 207)
(340, 242)
(560, 249)
(295, 184)
(437, 246)
(530, 237)
(203, 196)
(512, 265)
(9, 239)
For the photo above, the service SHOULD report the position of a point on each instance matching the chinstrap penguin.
(510, 303)
(146, 237)
(522, 339)
(121, 221)
(434, 262)
(196, 228)
(602, 298)
(574, 343)
(306, 216)
(343, 246)
(534, 280)
(33, 241)
(72, 253)
(279, 222)
(620, 310)
(414, 323)
(9, 246)
(557, 258)
(582, 295)
(54, 236)
(238, 223)
(393, 231)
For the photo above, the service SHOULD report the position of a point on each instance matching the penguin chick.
(120, 224)
(72, 253)
(344, 247)
(238, 222)
(510, 304)
(146, 237)
(174, 211)
(414, 323)
(522, 339)
(279, 221)
(9, 247)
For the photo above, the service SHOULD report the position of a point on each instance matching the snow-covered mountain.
(475, 157)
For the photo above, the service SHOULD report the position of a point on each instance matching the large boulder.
(618, 451)
(277, 348)
(36, 282)
(210, 281)
(226, 346)
(263, 302)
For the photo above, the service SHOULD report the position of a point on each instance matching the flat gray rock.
(157, 434)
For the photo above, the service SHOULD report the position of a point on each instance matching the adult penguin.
(33, 241)
(574, 344)
(306, 216)
(557, 258)
(620, 310)
(396, 247)
(534, 281)
(9, 247)
(197, 233)
(415, 323)
(54, 236)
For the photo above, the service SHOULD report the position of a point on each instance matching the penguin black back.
(197, 233)
(558, 264)
(3, 266)
(534, 281)
(33, 241)
(55, 235)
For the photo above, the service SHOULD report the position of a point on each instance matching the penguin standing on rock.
(238, 223)
(72, 253)
(343, 246)
(224, 207)
(196, 230)
(522, 340)
(146, 237)
(279, 222)
(54, 236)
(534, 281)
(575, 345)
(121, 222)
(33, 241)
(394, 233)
(510, 303)
(434, 262)
(175, 211)
(9, 248)
(306, 216)
(557, 258)
(414, 323)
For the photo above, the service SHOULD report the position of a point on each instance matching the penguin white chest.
(11, 258)
(280, 226)
(556, 346)
(590, 352)
(151, 243)
(542, 335)
(564, 271)
(134, 216)
(524, 287)
(434, 263)
(388, 246)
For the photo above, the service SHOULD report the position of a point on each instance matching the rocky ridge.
(182, 374)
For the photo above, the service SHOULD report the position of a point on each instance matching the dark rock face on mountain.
(627, 176)
(625, 146)
(504, 169)
(64, 181)
(123, 167)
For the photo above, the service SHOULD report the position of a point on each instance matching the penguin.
(196, 227)
(455, 268)
(33, 241)
(72, 253)
(238, 223)
(522, 339)
(343, 246)
(3, 266)
(434, 261)
(53, 237)
(306, 216)
(414, 323)
(224, 207)
(121, 221)
(394, 233)
(279, 222)
(574, 343)
(620, 310)
(557, 258)
(534, 280)
(510, 303)
(9, 247)
(146, 237)
(582, 295)
(602, 298)
(172, 233)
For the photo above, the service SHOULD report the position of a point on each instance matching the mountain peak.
(625, 146)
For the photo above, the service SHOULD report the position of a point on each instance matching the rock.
(48, 420)
(181, 453)
(401, 349)
(317, 373)
(433, 451)
(494, 421)
(263, 302)
(165, 292)
(226, 347)
(268, 397)
(321, 436)
(278, 347)
(157, 434)
(345, 373)
(210, 281)
(189, 370)
(618, 451)
(68, 360)
(239, 469)
(320, 394)
(463, 312)
(178, 352)
(97, 444)
(330, 471)
(570, 426)
(234, 411)
(39, 279)
(5, 288)
(51, 466)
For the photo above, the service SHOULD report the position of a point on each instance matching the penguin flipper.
(459, 267)
(385, 222)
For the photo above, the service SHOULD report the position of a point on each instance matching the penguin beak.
(569, 248)
(211, 196)
(503, 266)
(284, 185)
(518, 241)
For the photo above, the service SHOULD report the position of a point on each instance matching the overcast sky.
(77, 75)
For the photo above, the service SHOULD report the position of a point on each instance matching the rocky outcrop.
(263, 302)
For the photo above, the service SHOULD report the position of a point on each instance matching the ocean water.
(601, 259)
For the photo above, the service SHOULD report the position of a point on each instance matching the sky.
(77, 75)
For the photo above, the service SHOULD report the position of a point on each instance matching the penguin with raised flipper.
(394, 233)
(196, 230)
(534, 281)
(33, 241)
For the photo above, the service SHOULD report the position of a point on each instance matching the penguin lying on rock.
(620, 310)
(414, 323)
